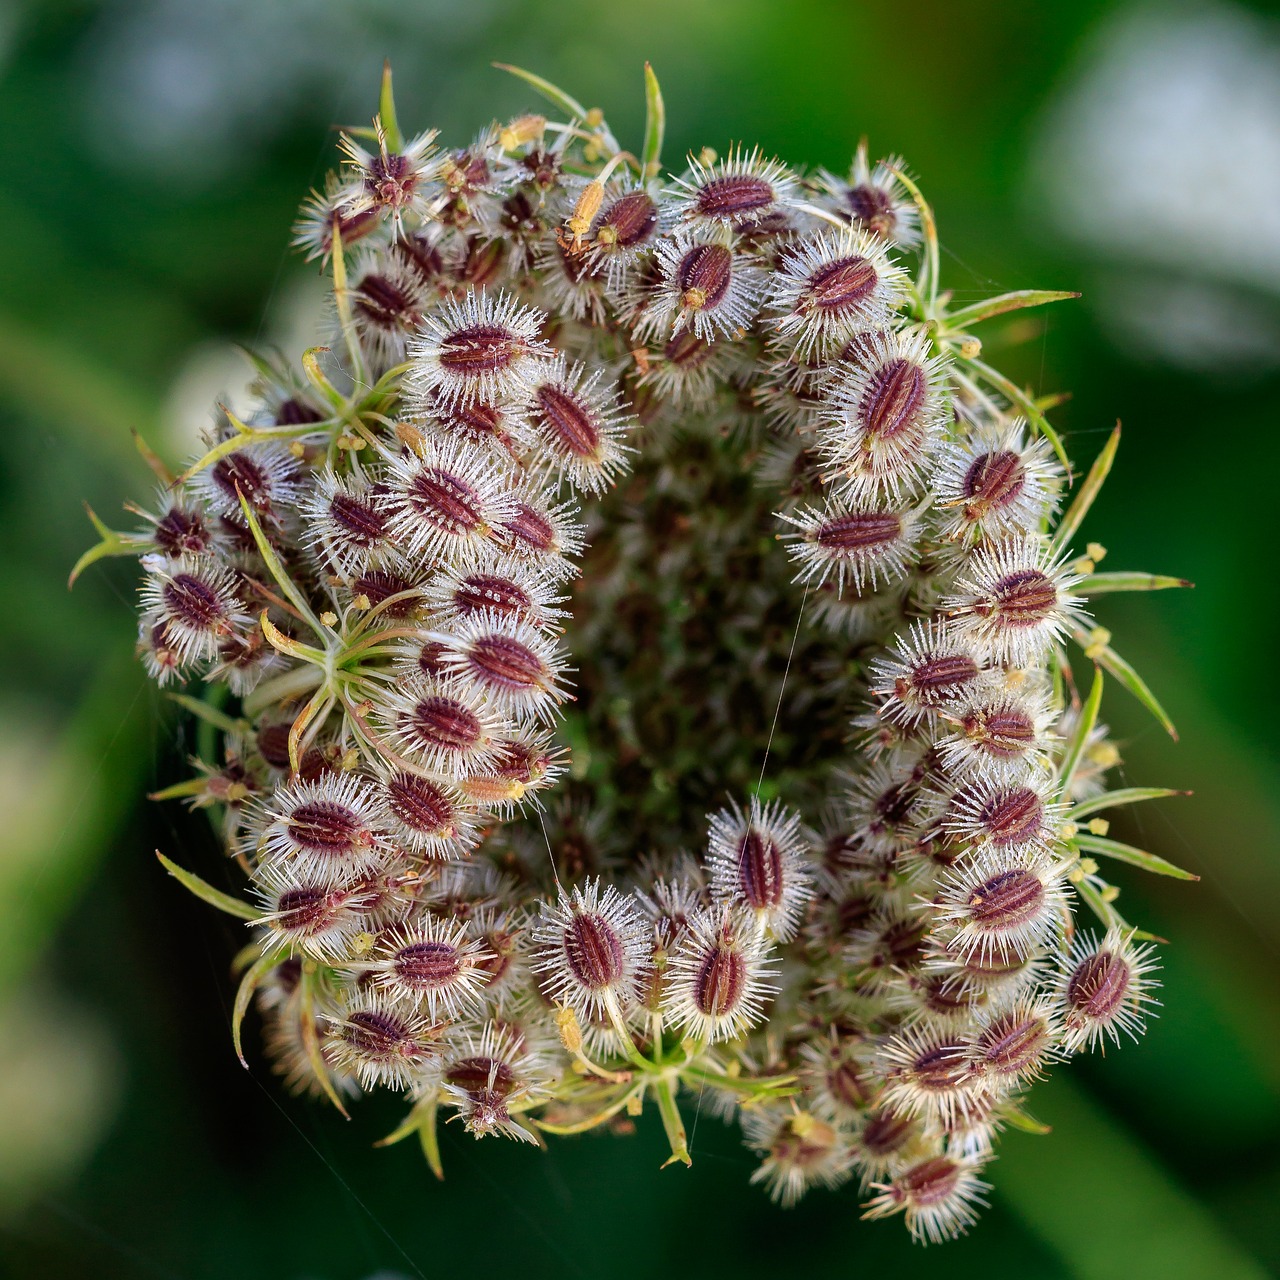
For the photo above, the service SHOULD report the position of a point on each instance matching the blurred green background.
(153, 153)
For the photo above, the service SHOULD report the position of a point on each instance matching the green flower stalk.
(806, 833)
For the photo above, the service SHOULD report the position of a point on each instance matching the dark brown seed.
(304, 910)
(1007, 900)
(892, 808)
(1004, 733)
(994, 480)
(315, 764)
(577, 267)
(503, 661)
(853, 912)
(445, 500)
(273, 745)
(431, 657)
(859, 530)
(351, 227)
(531, 528)
(420, 804)
(721, 981)
(732, 195)
(483, 592)
(687, 351)
(942, 675)
(995, 966)
(872, 207)
(1025, 597)
(390, 179)
(631, 219)
(931, 1181)
(237, 474)
(288, 974)
(849, 1086)
(902, 943)
(894, 397)
(760, 871)
(502, 950)
(441, 722)
(360, 521)
(593, 950)
(704, 275)
(940, 1067)
(841, 285)
(1098, 985)
(193, 602)
(570, 422)
(295, 413)
(1014, 1042)
(945, 995)
(483, 348)
(1012, 816)
(381, 584)
(884, 1133)
(426, 966)
(181, 532)
(376, 1034)
(420, 254)
(324, 826)
(477, 1075)
(521, 762)
(483, 262)
(383, 303)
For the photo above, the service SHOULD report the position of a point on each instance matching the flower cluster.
(566, 404)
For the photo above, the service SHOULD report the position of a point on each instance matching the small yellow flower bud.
(521, 130)
(569, 1031)
(1099, 638)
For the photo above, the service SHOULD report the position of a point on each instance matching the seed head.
(757, 862)
(592, 947)
(938, 1197)
(1106, 989)
(719, 976)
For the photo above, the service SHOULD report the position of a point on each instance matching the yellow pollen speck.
(1096, 551)
(329, 618)
(1099, 826)
(1099, 638)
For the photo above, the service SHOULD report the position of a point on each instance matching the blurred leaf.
(1087, 493)
(980, 311)
(1115, 799)
(1080, 736)
(1096, 584)
(66, 815)
(1135, 857)
(1103, 1202)
(655, 126)
(206, 892)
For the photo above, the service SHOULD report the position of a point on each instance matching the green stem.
(672, 1122)
(288, 684)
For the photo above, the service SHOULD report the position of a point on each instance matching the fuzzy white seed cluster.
(367, 582)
